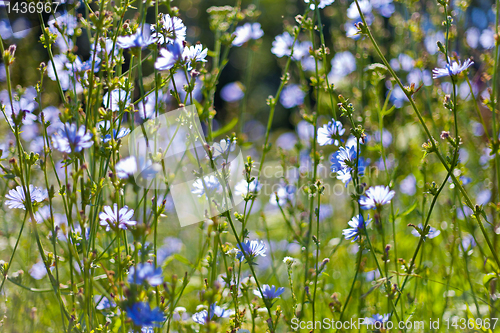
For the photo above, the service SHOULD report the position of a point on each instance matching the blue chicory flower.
(251, 249)
(209, 183)
(145, 272)
(126, 167)
(142, 314)
(358, 225)
(70, 139)
(170, 56)
(322, 3)
(114, 218)
(140, 39)
(433, 232)
(232, 92)
(292, 95)
(170, 29)
(269, 292)
(247, 32)
(451, 69)
(17, 199)
(377, 319)
(282, 45)
(330, 133)
(376, 197)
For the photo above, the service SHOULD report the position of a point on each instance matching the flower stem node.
(431, 188)
(448, 103)
(271, 101)
(362, 29)
(429, 147)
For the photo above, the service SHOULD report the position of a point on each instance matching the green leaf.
(388, 112)
(487, 279)
(409, 210)
(183, 260)
(229, 126)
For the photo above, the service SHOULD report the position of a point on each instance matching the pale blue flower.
(483, 197)
(343, 64)
(376, 197)
(385, 7)
(17, 199)
(147, 107)
(204, 317)
(251, 249)
(171, 246)
(343, 159)
(38, 270)
(119, 99)
(170, 29)
(322, 3)
(126, 167)
(42, 214)
(454, 68)
(269, 292)
(301, 50)
(121, 133)
(201, 317)
(468, 242)
(386, 137)
(358, 225)
(194, 54)
(464, 211)
(325, 211)
(146, 272)
(472, 37)
(21, 103)
(305, 130)
(170, 56)
(285, 194)
(282, 45)
(232, 92)
(353, 12)
(402, 63)
(419, 76)
(431, 39)
(219, 311)
(487, 39)
(377, 319)
(330, 133)
(286, 141)
(247, 32)
(142, 314)
(244, 188)
(70, 139)
(209, 183)
(223, 147)
(65, 21)
(292, 95)
(408, 185)
(141, 38)
(65, 71)
(398, 97)
(433, 232)
(105, 46)
(114, 218)
(103, 303)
